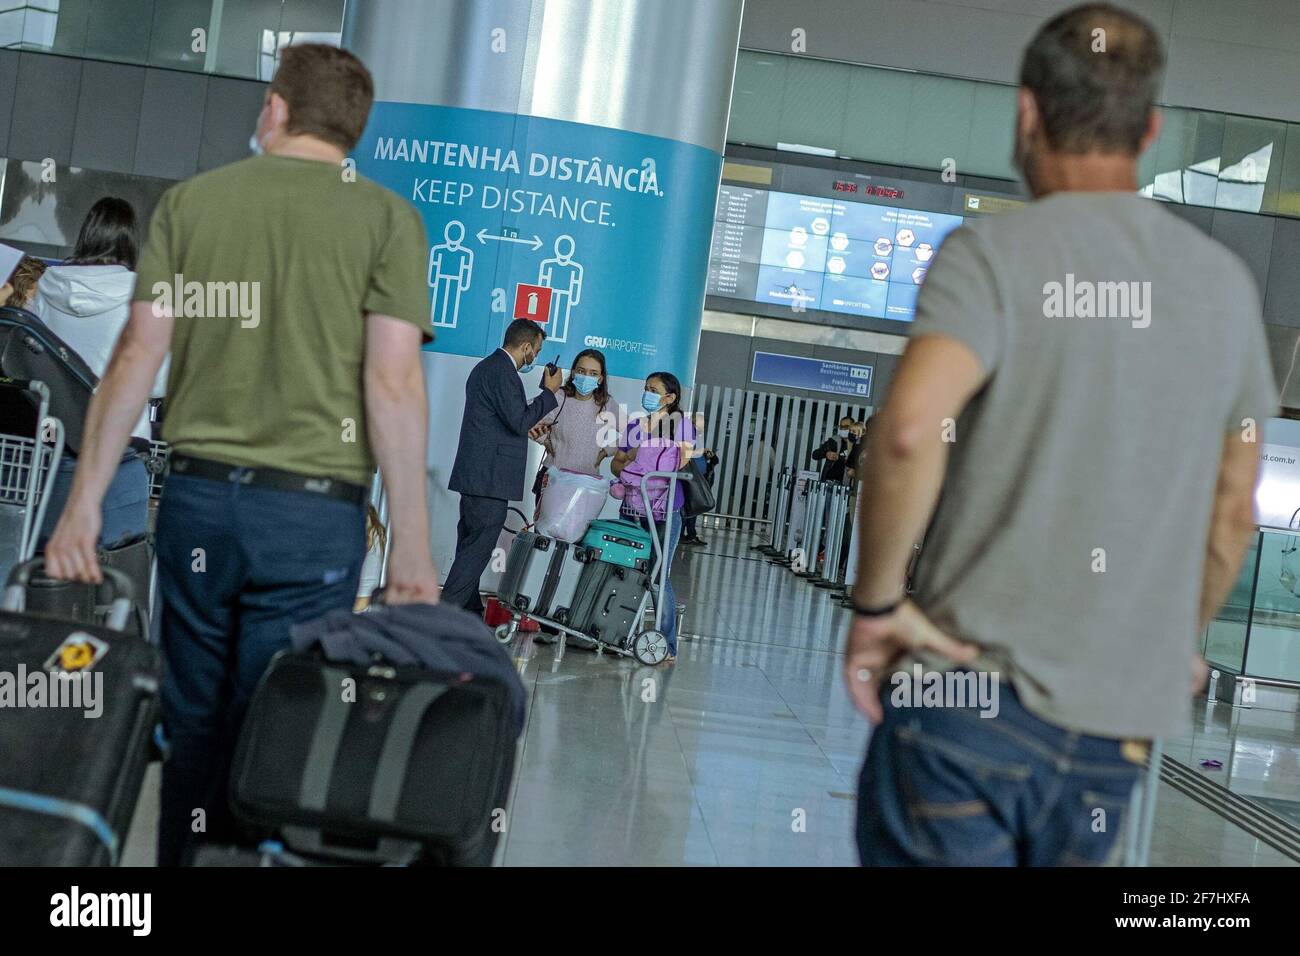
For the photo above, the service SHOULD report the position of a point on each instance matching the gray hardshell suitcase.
(570, 562)
(527, 583)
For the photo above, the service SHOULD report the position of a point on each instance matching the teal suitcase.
(620, 542)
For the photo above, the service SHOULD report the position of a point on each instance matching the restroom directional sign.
(532, 302)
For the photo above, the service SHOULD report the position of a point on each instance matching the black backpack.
(29, 350)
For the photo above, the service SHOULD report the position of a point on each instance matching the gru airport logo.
(74, 909)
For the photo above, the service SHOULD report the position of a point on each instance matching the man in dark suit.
(493, 453)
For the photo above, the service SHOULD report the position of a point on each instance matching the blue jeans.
(125, 509)
(237, 566)
(668, 615)
(943, 786)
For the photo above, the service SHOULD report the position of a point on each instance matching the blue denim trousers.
(237, 566)
(125, 509)
(943, 786)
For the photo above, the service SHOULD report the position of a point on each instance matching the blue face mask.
(585, 384)
(525, 369)
(650, 401)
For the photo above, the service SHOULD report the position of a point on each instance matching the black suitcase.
(69, 784)
(269, 854)
(29, 350)
(64, 600)
(134, 558)
(89, 603)
(414, 768)
(608, 601)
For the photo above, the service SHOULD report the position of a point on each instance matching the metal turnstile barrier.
(814, 526)
(847, 568)
(789, 524)
(780, 514)
(837, 516)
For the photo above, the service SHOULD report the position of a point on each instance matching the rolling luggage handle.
(15, 593)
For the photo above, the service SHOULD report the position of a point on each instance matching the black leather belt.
(266, 478)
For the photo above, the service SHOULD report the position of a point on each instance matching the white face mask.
(844, 433)
(255, 144)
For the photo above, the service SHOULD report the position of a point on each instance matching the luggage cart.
(647, 645)
(156, 466)
(27, 463)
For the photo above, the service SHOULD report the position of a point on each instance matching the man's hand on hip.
(876, 644)
(73, 552)
(412, 578)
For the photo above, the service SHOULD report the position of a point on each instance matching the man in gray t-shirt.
(1073, 429)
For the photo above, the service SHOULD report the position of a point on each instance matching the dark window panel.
(1282, 298)
(171, 124)
(229, 118)
(45, 107)
(108, 117)
(1250, 237)
(8, 83)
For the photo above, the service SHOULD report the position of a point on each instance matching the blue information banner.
(600, 235)
(813, 374)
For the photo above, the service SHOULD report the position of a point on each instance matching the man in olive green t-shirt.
(291, 296)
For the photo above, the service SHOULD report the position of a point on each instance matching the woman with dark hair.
(662, 440)
(572, 434)
(86, 301)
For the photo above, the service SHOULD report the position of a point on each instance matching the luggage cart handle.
(661, 547)
(15, 592)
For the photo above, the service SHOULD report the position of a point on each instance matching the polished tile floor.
(746, 751)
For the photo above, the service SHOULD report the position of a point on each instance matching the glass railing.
(1257, 631)
(1202, 158)
(228, 37)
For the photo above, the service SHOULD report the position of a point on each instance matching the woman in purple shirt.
(662, 440)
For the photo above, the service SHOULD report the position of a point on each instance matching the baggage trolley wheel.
(504, 633)
(650, 647)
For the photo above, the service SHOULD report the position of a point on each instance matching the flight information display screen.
(812, 252)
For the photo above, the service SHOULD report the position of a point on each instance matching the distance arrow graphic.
(535, 242)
